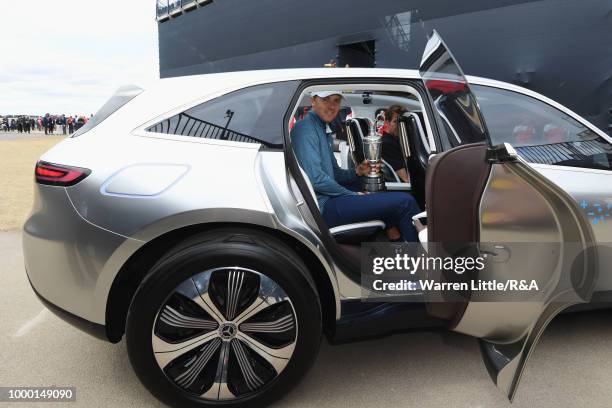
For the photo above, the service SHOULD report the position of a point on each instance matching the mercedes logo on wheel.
(227, 331)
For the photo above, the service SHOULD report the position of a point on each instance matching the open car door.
(525, 226)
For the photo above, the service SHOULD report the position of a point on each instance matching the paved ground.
(570, 368)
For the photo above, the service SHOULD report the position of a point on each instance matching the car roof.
(198, 86)
(176, 93)
(168, 94)
(238, 78)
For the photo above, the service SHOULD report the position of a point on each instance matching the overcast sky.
(69, 56)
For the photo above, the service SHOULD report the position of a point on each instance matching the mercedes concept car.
(178, 217)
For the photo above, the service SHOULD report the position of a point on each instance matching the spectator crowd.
(50, 124)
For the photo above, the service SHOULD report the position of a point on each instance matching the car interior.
(362, 109)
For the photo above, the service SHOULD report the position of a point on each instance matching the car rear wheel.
(228, 318)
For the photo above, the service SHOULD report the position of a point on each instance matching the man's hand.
(364, 168)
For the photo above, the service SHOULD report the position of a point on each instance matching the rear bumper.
(94, 329)
(67, 259)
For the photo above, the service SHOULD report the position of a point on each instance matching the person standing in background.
(45, 123)
(50, 125)
(63, 123)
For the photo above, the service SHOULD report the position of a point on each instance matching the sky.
(69, 56)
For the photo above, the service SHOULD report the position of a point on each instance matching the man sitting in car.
(391, 149)
(337, 189)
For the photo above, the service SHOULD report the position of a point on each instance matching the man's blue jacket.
(312, 143)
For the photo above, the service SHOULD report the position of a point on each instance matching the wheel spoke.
(166, 352)
(277, 326)
(253, 381)
(278, 358)
(269, 294)
(234, 285)
(206, 303)
(257, 306)
(175, 318)
(187, 378)
(219, 389)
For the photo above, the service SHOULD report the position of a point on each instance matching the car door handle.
(496, 253)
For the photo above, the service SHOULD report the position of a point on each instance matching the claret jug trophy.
(374, 181)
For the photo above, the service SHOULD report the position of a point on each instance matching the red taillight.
(59, 175)
(445, 86)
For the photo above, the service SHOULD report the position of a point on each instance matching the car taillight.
(59, 175)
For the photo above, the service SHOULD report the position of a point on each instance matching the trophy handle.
(372, 126)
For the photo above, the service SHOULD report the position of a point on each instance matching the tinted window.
(539, 132)
(251, 115)
(122, 96)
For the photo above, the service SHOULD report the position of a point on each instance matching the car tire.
(171, 311)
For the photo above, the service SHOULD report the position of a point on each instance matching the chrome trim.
(398, 186)
(420, 130)
(403, 133)
(357, 225)
(395, 176)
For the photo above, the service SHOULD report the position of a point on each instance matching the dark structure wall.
(560, 48)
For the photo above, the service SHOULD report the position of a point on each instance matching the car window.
(122, 96)
(539, 132)
(460, 120)
(251, 115)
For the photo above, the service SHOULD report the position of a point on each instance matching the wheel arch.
(134, 270)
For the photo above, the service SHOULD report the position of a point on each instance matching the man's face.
(392, 125)
(326, 108)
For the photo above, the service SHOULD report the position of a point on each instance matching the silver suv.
(179, 217)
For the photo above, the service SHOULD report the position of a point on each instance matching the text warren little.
(475, 285)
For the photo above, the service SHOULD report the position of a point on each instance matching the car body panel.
(143, 218)
(592, 190)
(65, 255)
(199, 186)
(288, 204)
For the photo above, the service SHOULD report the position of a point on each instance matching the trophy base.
(374, 184)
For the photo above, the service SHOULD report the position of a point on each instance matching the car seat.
(353, 233)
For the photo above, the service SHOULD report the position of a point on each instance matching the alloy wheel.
(225, 333)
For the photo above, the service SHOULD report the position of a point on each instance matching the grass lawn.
(16, 186)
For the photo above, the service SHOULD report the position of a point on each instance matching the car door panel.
(560, 253)
(531, 228)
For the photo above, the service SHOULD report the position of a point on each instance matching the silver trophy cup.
(374, 181)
